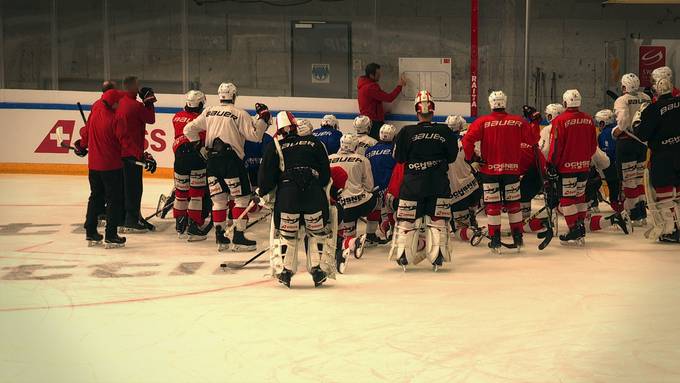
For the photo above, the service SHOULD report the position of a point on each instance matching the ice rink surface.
(161, 310)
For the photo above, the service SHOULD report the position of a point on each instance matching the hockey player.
(329, 134)
(382, 164)
(252, 158)
(362, 126)
(295, 169)
(551, 111)
(501, 136)
(356, 198)
(132, 117)
(227, 128)
(572, 145)
(660, 73)
(305, 127)
(425, 151)
(190, 173)
(465, 191)
(606, 121)
(105, 169)
(630, 154)
(659, 126)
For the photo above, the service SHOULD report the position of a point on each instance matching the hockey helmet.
(553, 110)
(631, 82)
(387, 132)
(227, 91)
(498, 100)
(572, 98)
(362, 124)
(455, 123)
(348, 143)
(423, 102)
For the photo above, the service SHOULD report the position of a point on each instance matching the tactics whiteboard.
(433, 74)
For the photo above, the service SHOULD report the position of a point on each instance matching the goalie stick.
(240, 265)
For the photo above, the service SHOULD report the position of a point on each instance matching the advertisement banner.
(651, 57)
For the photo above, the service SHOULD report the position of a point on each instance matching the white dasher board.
(433, 74)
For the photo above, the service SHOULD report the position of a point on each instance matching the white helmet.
(498, 100)
(387, 132)
(553, 110)
(194, 98)
(362, 124)
(605, 116)
(572, 98)
(329, 120)
(305, 127)
(348, 143)
(285, 122)
(662, 72)
(631, 81)
(455, 123)
(227, 91)
(424, 102)
(663, 86)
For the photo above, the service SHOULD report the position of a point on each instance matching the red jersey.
(179, 120)
(102, 139)
(131, 118)
(573, 141)
(371, 97)
(396, 180)
(501, 135)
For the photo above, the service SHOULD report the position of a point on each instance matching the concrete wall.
(250, 43)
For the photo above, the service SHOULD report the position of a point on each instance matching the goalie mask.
(498, 100)
(227, 92)
(362, 124)
(424, 103)
(348, 143)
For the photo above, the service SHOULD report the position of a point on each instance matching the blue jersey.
(382, 163)
(330, 138)
(253, 152)
(607, 142)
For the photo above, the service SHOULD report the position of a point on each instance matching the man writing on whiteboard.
(371, 96)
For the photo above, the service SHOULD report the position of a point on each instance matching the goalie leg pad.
(404, 241)
(437, 238)
(284, 248)
(320, 253)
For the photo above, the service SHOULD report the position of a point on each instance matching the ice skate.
(403, 262)
(198, 233)
(113, 242)
(670, 238)
(358, 246)
(518, 240)
(133, 228)
(438, 263)
(575, 236)
(619, 220)
(240, 243)
(101, 220)
(181, 227)
(495, 243)
(223, 243)
(372, 240)
(318, 275)
(638, 215)
(94, 239)
(285, 277)
(148, 225)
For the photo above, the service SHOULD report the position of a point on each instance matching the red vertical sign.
(474, 24)
(651, 57)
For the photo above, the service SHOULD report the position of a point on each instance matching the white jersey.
(364, 141)
(461, 179)
(359, 186)
(544, 140)
(625, 108)
(231, 124)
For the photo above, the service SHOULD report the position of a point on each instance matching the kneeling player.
(296, 170)
(382, 164)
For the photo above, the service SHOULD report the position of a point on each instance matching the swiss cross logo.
(49, 143)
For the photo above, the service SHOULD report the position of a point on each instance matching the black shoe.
(495, 242)
(285, 277)
(518, 239)
(135, 227)
(113, 241)
(222, 241)
(181, 225)
(241, 243)
(618, 220)
(318, 275)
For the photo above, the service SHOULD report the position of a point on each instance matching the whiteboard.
(432, 74)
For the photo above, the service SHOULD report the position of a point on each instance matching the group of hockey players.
(417, 189)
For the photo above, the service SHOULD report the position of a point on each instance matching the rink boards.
(31, 117)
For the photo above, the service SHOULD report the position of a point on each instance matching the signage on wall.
(651, 57)
(321, 73)
(49, 143)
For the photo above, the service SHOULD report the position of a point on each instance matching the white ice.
(160, 310)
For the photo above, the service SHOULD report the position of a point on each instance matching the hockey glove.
(78, 149)
(263, 112)
(551, 173)
(149, 162)
(266, 200)
(147, 96)
(530, 113)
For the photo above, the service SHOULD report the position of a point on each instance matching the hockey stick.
(259, 219)
(60, 139)
(158, 211)
(82, 114)
(239, 265)
(612, 94)
(549, 232)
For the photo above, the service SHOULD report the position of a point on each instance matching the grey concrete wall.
(250, 43)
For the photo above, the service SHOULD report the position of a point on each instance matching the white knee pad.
(285, 242)
(512, 192)
(181, 182)
(234, 185)
(404, 241)
(569, 187)
(198, 179)
(492, 192)
(629, 174)
(407, 209)
(437, 238)
(320, 253)
(461, 218)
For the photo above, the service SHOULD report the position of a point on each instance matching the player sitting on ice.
(501, 136)
(362, 126)
(294, 172)
(631, 155)
(382, 164)
(329, 134)
(658, 125)
(572, 145)
(606, 121)
(227, 128)
(424, 151)
(191, 205)
(357, 198)
(465, 190)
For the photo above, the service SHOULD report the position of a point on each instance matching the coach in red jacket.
(371, 97)
(131, 118)
(101, 138)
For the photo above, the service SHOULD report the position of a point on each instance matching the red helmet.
(424, 102)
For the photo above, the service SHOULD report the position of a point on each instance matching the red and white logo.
(49, 144)
(651, 57)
